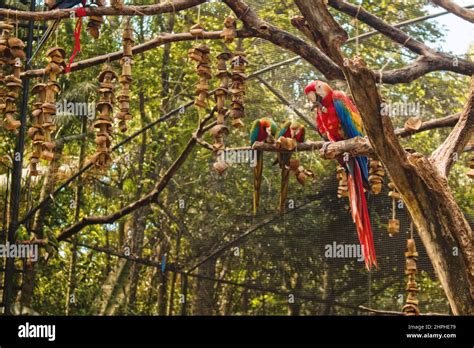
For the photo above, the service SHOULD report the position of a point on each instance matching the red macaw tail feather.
(360, 213)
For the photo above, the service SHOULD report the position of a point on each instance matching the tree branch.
(459, 11)
(430, 60)
(151, 197)
(448, 152)
(145, 10)
(160, 40)
(284, 39)
(447, 121)
(382, 312)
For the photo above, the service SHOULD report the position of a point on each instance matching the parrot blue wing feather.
(351, 131)
(282, 131)
(254, 132)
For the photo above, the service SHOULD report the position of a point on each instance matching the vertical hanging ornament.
(411, 255)
(11, 56)
(376, 174)
(221, 93)
(342, 190)
(5, 29)
(223, 90)
(239, 64)
(104, 107)
(95, 22)
(200, 54)
(230, 29)
(393, 224)
(126, 78)
(56, 64)
(35, 132)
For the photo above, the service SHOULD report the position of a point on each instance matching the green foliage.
(283, 257)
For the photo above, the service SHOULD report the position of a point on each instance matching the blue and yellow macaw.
(263, 129)
(338, 119)
(293, 130)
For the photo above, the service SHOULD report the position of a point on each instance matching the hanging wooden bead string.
(302, 174)
(12, 52)
(230, 29)
(55, 66)
(95, 22)
(223, 90)
(104, 107)
(126, 78)
(341, 175)
(376, 174)
(200, 54)
(393, 224)
(117, 3)
(411, 255)
(220, 130)
(239, 64)
(35, 132)
(197, 30)
(5, 29)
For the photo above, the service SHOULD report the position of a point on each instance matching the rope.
(408, 39)
(357, 29)
(393, 209)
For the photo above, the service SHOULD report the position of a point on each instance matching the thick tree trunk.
(203, 301)
(139, 216)
(29, 278)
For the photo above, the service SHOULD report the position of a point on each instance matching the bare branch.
(447, 121)
(382, 312)
(160, 40)
(459, 11)
(151, 197)
(146, 10)
(284, 39)
(430, 60)
(447, 153)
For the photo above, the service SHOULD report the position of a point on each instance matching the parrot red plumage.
(338, 119)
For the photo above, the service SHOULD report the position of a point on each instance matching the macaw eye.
(312, 96)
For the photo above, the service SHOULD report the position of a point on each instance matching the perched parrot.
(60, 4)
(294, 130)
(263, 129)
(337, 119)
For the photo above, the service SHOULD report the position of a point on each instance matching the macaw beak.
(312, 96)
(292, 132)
(268, 130)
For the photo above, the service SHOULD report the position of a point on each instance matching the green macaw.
(263, 129)
(294, 130)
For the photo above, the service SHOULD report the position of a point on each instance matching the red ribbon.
(80, 12)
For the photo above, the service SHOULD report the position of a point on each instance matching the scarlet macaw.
(294, 130)
(338, 119)
(263, 129)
